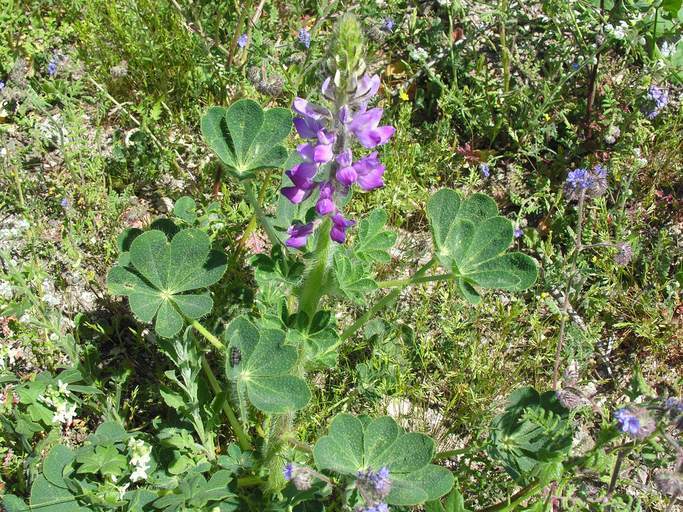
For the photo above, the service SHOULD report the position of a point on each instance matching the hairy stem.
(209, 337)
(514, 500)
(570, 278)
(312, 289)
(615, 472)
(242, 436)
(253, 201)
(381, 304)
(401, 283)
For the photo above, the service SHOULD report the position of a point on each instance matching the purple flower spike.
(298, 235)
(370, 172)
(364, 127)
(339, 227)
(305, 37)
(325, 204)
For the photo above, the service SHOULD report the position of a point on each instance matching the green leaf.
(352, 280)
(353, 445)
(14, 504)
(245, 137)
(105, 460)
(264, 371)
(374, 241)
(161, 272)
(46, 497)
(185, 209)
(56, 461)
(471, 239)
(109, 432)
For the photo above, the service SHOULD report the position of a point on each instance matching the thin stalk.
(396, 283)
(253, 222)
(381, 304)
(209, 337)
(570, 277)
(242, 436)
(260, 214)
(512, 502)
(593, 85)
(615, 472)
(654, 34)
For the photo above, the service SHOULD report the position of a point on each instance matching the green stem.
(209, 337)
(260, 214)
(654, 35)
(512, 502)
(384, 301)
(312, 289)
(242, 436)
(396, 283)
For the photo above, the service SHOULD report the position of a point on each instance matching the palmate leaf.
(532, 435)
(264, 370)
(374, 241)
(354, 444)
(158, 274)
(352, 280)
(247, 138)
(471, 239)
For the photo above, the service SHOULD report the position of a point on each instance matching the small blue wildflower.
(305, 37)
(579, 179)
(375, 483)
(243, 40)
(288, 471)
(52, 68)
(636, 422)
(388, 25)
(64, 202)
(2, 85)
(485, 170)
(575, 66)
(517, 232)
(660, 97)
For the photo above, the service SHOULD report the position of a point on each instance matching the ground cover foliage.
(330, 255)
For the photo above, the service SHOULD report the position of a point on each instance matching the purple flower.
(628, 421)
(64, 202)
(307, 127)
(660, 97)
(307, 109)
(298, 235)
(323, 152)
(346, 174)
(388, 25)
(2, 85)
(305, 37)
(242, 41)
(517, 232)
(288, 471)
(365, 127)
(575, 66)
(339, 227)
(302, 177)
(578, 179)
(52, 68)
(325, 204)
(370, 172)
(374, 486)
(485, 170)
(379, 507)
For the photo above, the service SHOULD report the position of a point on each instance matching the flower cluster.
(374, 486)
(592, 183)
(380, 507)
(57, 398)
(327, 166)
(674, 408)
(140, 456)
(660, 98)
(635, 422)
(52, 67)
(305, 37)
(300, 476)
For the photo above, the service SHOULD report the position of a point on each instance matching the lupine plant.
(245, 379)
(318, 255)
